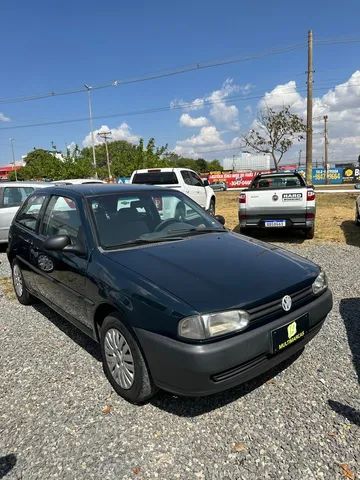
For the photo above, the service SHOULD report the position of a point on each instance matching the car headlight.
(201, 327)
(320, 283)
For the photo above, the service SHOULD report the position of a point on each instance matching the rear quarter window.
(155, 178)
(28, 214)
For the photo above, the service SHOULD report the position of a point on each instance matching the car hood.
(219, 271)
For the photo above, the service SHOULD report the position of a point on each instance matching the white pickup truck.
(278, 200)
(182, 179)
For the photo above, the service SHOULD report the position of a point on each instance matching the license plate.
(289, 334)
(275, 223)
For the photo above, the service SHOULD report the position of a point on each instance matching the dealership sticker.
(291, 197)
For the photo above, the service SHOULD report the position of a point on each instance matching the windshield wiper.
(146, 241)
(195, 231)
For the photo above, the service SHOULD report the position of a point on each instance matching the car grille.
(271, 310)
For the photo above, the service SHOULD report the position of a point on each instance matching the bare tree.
(274, 133)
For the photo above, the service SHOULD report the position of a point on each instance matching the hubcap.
(119, 358)
(18, 281)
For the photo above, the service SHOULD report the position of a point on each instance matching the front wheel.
(123, 362)
(21, 292)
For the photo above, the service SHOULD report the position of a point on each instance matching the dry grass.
(334, 218)
(6, 288)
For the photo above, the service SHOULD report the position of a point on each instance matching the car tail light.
(242, 198)
(310, 195)
(309, 216)
(242, 216)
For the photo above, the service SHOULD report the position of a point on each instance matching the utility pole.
(13, 157)
(105, 136)
(233, 164)
(309, 109)
(88, 88)
(300, 152)
(326, 149)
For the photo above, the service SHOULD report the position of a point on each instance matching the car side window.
(195, 180)
(62, 218)
(186, 177)
(29, 213)
(14, 196)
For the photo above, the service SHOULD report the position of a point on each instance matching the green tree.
(41, 164)
(275, 133)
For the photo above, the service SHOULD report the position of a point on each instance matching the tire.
(20, 290)
(212, 207)
(130, 378)
(310, 233)
(357, 216)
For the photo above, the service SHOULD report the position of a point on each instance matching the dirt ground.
(335, 215)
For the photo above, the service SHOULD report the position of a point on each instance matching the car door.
(193, 189)
(11, 197)
(62, 275)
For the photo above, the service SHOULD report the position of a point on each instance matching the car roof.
(278, 174)
(75, 181)
(90, 189)
(28, 184)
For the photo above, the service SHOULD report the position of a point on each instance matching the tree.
(274, 133)
(40, 165)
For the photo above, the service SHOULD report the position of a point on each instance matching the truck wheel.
(310, 233)
(357, 216)
(123, 362)
(212, 207)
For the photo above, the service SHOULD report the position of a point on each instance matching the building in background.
(247, 161)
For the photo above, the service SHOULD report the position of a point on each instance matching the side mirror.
(57, 242)
(63, 243)
(220, 219)
(205, 183)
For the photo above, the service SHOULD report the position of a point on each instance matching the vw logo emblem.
(286, 303)
(275, 197)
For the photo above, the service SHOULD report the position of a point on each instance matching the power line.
(232, 99)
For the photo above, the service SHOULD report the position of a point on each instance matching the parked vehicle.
(218, 186)
(142, 285)
(357, 211)
(12, 194)
(181, 179)
(77, 181)
(278, 200)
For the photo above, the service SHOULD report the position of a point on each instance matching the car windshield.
(126, 219)
(278, 181)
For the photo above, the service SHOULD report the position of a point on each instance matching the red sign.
(235, 179)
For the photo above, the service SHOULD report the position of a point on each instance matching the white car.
(278, 200)
(12, 195)
(77, 181)
(183, 179)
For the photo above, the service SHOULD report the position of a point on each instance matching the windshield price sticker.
(292, 197)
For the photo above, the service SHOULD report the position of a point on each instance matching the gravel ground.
(298, 422)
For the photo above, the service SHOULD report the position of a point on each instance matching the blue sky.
(60, 45)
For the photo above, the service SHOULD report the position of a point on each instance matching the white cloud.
(123, 132)
(196, 104)
(341, 104)
(4, 118)
(187, 120)
(248, 109)
(208, 136)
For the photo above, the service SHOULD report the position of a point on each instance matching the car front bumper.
(202, 369)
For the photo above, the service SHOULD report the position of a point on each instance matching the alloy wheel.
(119, 358)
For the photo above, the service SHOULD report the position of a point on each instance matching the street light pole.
(105, 136)
(13, 157)
(88, 88)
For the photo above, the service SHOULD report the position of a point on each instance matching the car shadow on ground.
(7, 463)
(345, 411)
(351, 232)
(194, 406)
(349, 311)
(277, 236)
(85, 342)
(3, 247)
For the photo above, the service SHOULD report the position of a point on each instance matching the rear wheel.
(357, 216)
(21, 292)
(310, 233)
(212, 207)
(123, 362)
